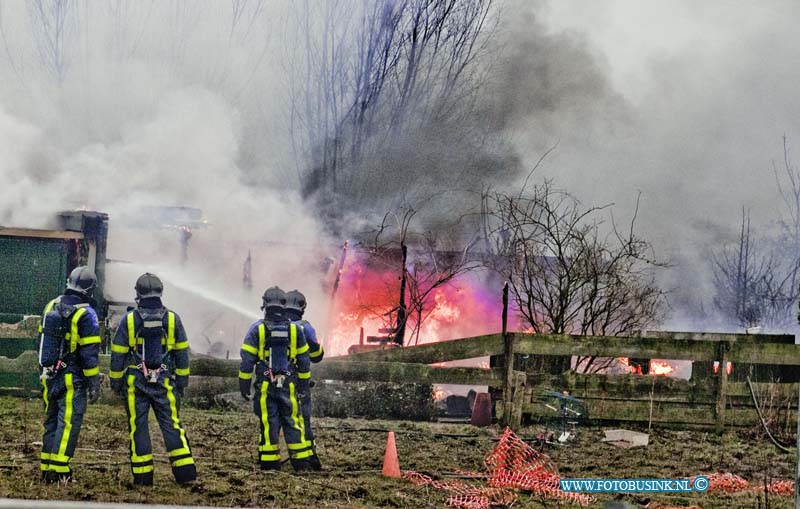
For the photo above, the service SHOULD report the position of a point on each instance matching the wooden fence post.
(722, 385)
(508, 355)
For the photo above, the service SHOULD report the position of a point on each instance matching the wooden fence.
(703, 401)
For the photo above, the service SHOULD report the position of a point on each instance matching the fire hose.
(761, 418)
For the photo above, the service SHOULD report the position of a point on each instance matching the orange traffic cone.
(391, 465)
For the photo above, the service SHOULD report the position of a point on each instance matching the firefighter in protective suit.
(295, 308)
(150, 368)
(276, 349)
(68, 348)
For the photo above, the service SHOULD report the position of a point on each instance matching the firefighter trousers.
(305, 409)
(165, 402)
(278, 408)
(65, 405)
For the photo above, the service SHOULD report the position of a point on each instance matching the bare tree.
(565, 274)
(374, 71)
(51, 22)
(756, 278)
(433, 261)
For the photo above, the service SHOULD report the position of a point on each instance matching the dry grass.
(224, 444)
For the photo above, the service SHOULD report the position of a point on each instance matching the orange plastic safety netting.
(511, 466)
(732, 483)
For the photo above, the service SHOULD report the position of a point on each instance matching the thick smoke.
(132, 105)
(684, 102)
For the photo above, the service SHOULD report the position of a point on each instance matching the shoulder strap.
(262, 339)
(131, 322)
(292, 342)
(170, 331)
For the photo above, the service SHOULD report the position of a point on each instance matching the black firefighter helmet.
(148, 285)
(82, 280)
(296, 301)
(273, 297)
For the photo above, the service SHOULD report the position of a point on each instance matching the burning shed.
(34, 264)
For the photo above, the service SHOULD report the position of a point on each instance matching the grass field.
(224, 444)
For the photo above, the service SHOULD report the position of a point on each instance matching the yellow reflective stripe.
(295, 447)
(245, 376)
(45, 466)
(60, 458)
(261, 339)
(316, 354)
(74, 335)
(115, 374)
(88, 340)
(91, 371)
(182, 462)
(120, 348)
(270, 457)
(171, 333)
(264, 414)
(268, 448)
(135, 458)
(303, 349)
(142, 470)
(304, 376)
(131, 331)
(249, 349)
(183, 345)
(61, 469)
(62, 448)
(299, 423)
(182, 371)
(304, 454)
(45, 455)
(293, 342)
(44, 395)
(173, 407)
(179, 452)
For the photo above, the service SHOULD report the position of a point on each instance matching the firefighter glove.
(302, 389)
(181, 383)
(93, 392)
(244, 388)
(118, 386)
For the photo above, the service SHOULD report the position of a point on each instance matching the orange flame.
(660, 368)
(728, 367)
(368, 298)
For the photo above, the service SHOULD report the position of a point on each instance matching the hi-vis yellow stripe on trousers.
(62, 448)
(176, 423)
(135, 458)
(267, 450)
(299, 424)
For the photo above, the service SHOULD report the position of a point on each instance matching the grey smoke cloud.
(185, 103)
(684, 101)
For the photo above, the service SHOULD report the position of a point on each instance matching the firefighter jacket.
(81, 342)
(127, 349)
(275, 346)
(315, 351)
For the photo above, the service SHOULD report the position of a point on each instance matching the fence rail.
(703, 400)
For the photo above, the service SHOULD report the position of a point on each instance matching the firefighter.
(276, 348)
(68, 348)
(295, 307)
(150, 368)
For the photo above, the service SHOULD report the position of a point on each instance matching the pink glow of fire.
(365, 296)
